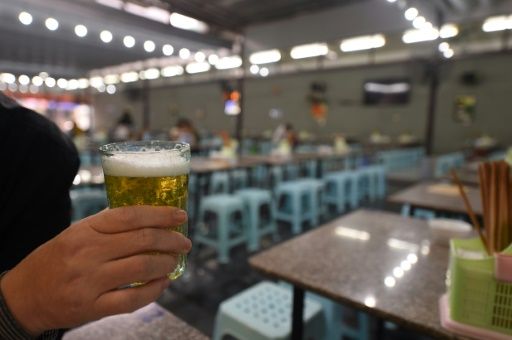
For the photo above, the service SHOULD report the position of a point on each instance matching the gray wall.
(203, 103)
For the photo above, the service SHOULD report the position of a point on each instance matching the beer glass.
(148, 173)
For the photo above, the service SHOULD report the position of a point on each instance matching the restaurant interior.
(349, 172)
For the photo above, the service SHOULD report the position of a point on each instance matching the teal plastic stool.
(276, 176)
(239, 179)
(219, 183)
(445, 163)
(311, 169)
(294, 204)
(260, 214)
(316, 198)
(364, 184)
(259, 176)
(377, 175)
(223, 224)
(418, 213)
(341, 190)
(86, 202)
(292, 172)
(263, 312)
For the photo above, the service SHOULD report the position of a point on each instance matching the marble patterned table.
(378, 262)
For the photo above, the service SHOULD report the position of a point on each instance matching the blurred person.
(185, 132)
(124, 129)
(60, 283)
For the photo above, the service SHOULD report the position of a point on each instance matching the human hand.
(74, 277)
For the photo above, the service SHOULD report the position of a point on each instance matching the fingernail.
(180, 214)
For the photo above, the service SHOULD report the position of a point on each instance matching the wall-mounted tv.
(387, 91)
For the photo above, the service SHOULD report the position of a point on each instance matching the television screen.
(387, 92)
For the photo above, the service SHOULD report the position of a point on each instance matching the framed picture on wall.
(464, 109)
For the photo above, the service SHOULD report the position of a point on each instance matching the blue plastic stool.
(230, 228)
(259, 176)
(377, 175)
(447, 162)
(276, 176)
(311, 169)
(239, 179)
(292, 172)
(316, 198)
(364, 184)
(418, 213)
(341, 190)
(86, 202)
(263, 312)
(258, 202)
(294, 204)
(219, 183)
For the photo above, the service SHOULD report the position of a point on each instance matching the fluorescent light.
(199, 57)
(499, 23)
(80, 31)
(151, 73)
(83, 83)
(25, 18)
(43, 74)
(448, 31)
(24, 79)
(415, 36)
(184, 53)
(418, 22)
(444, 46)
(96, 81)
(62, 83)
(228, 62)
(129, 77)
(309, 51)
(213, 59)
(73, 84)
(448, 53)
(264, 72)
(52, 24)
(129, 41)
(151, 12)
(265, 57)
(254, 69)
(50, 82)
(167, 49)
(106, 36)
(12, 87)
(117, 4)
(363, 43)
(111, 89)
(197, 67)
(111, 79)
(187, 23)
(8, 78)
(387, 88)
(411, 13)
(149, 46)
(37, 81)
(392, 1)
(171, 71)
(33, 89)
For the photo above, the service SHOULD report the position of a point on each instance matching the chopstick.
(470, 211)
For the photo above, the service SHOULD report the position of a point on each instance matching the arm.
(74, 278)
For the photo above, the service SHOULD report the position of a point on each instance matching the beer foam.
(146, 164)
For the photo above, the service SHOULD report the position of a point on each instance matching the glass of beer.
(148, 173)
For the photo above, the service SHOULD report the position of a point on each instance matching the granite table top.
(382, 263)
(151, 322)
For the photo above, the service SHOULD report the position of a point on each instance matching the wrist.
(19, 304)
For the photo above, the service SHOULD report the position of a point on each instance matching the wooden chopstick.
(471, 214)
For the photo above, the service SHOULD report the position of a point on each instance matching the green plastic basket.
(476, 297)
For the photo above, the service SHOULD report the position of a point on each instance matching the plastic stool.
(276, 176)
(294, 204)
(239, 179)
(230, 227)
(258, 202)
(292, 172)
(263, 312)
(316, 198)
(341, 190)
(219, 183)
(87, 202)
(259, 176)
(364, 184)
(377, 174)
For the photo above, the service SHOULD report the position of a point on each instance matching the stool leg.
(296, 210)
(253, 235)
(223, 241)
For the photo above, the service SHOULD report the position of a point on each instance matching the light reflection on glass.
(370, 301)
(352, 233)
(77, 180)
(402, 245)
(85, 175)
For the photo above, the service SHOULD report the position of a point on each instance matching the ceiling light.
(391, 1)
(265, 57)
(151, 12)
(213, 59)
(184, 53)
(151, 73)
(418, 22)
(96, 81)
(499, 23)
(50, 82)
(62, 83)
(363, 43)
(80, 30)
(448, 53)
(43, 75)
(167, 50)
(73, 84)
(83, 83)
(149, 46)
(24, 79)
(197, 67)
(52, 24)
(106, 36)
(111, 89)
(33, 88)
(228, 63)
(448, 31)
(3, 86)
(117, 4)
(411, 13)
(187, 23)
(12, 87)
(8, 78)
(309, 50)
(110, 79)
(254, 69)
(129, 41)
(444, 46)
(25, 18)
(264, 72)
(415, 36)
(171, 71)
(37, 81)
(101, 88)
(129, 77)
(199, 57)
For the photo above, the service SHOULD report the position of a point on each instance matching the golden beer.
(148, 173)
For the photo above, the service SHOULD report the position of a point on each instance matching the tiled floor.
(196, 296)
